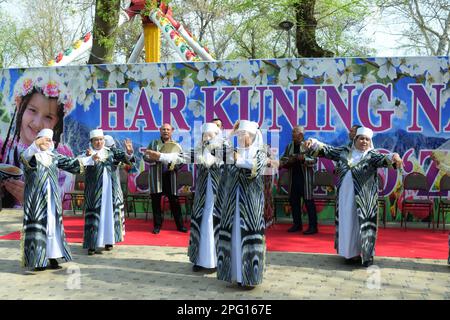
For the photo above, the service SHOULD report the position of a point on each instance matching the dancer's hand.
(96, 157)
(89, 152)
(152, 155)
(308, 144)
(397, 160)
(128, 146)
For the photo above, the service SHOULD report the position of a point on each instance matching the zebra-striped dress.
(34, 234)
(93, 197)
(365, 182)
(250, 185)
(214, 172)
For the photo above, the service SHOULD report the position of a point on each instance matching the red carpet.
(413, 243)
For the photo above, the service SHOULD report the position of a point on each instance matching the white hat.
(96, 133)
(109, 141)
(363, 131)
(249, 126)
(210, 127)
(48, 133)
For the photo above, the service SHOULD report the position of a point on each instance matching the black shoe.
(354, 260)
(54, 264)
(40, 269)
(197, 268)
(91, 252)
(182, 229)
(368, 263)
(246, 287)
(295, 228)
(311, 231)
(108, 247)
(156, 230)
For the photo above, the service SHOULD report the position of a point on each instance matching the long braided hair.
(17, 118)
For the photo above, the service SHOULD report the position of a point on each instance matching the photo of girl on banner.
(41, 100)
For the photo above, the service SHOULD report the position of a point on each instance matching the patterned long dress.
(34, 234)
(93, 195)
(215, 174)
(365, 182)
(252, 226)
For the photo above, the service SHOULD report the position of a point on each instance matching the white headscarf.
(363, 131)
(102, 153)
(357, 155)
(252, 128)
(109, 141)
(96, 133)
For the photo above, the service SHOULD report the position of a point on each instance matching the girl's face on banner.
(40, 113)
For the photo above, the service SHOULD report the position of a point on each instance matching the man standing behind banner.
(301, 172)
(103, 225)
(163, 176)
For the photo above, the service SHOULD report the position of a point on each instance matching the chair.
(417, 182)
(185, 181)
(381, 199)
(281, 197)
(444, 202)
(325, 179)
(77, 194)
(142, 183)
(123, 177)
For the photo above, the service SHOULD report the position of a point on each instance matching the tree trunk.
(104, 38)
(305, 33)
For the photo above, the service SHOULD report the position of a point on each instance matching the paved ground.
(146, 272)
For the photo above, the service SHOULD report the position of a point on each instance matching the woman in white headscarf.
(103, 224)
(357, 193)
(241, 246)
(43, 238)
(204, 225)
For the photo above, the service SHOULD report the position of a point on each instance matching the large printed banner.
(405, 101)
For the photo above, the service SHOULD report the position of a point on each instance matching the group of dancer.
(227, 224)
(43, 238)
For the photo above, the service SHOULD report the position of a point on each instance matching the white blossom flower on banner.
(365, 80)
(254, 99)
(133, 99)
(205, 71)
(196, 107)
(400, 108)
(88, 101)
(347, 74)
(300, 112)
(221, 70)
(235, 68)
(412, 66)
(153, 91)
(188, 85)
(377, 101)
(260, 71)
(247, 78)
(387, 67)
(116, 75)
(167, 74)
(288, 71)
(235, 98)
(6, 78)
